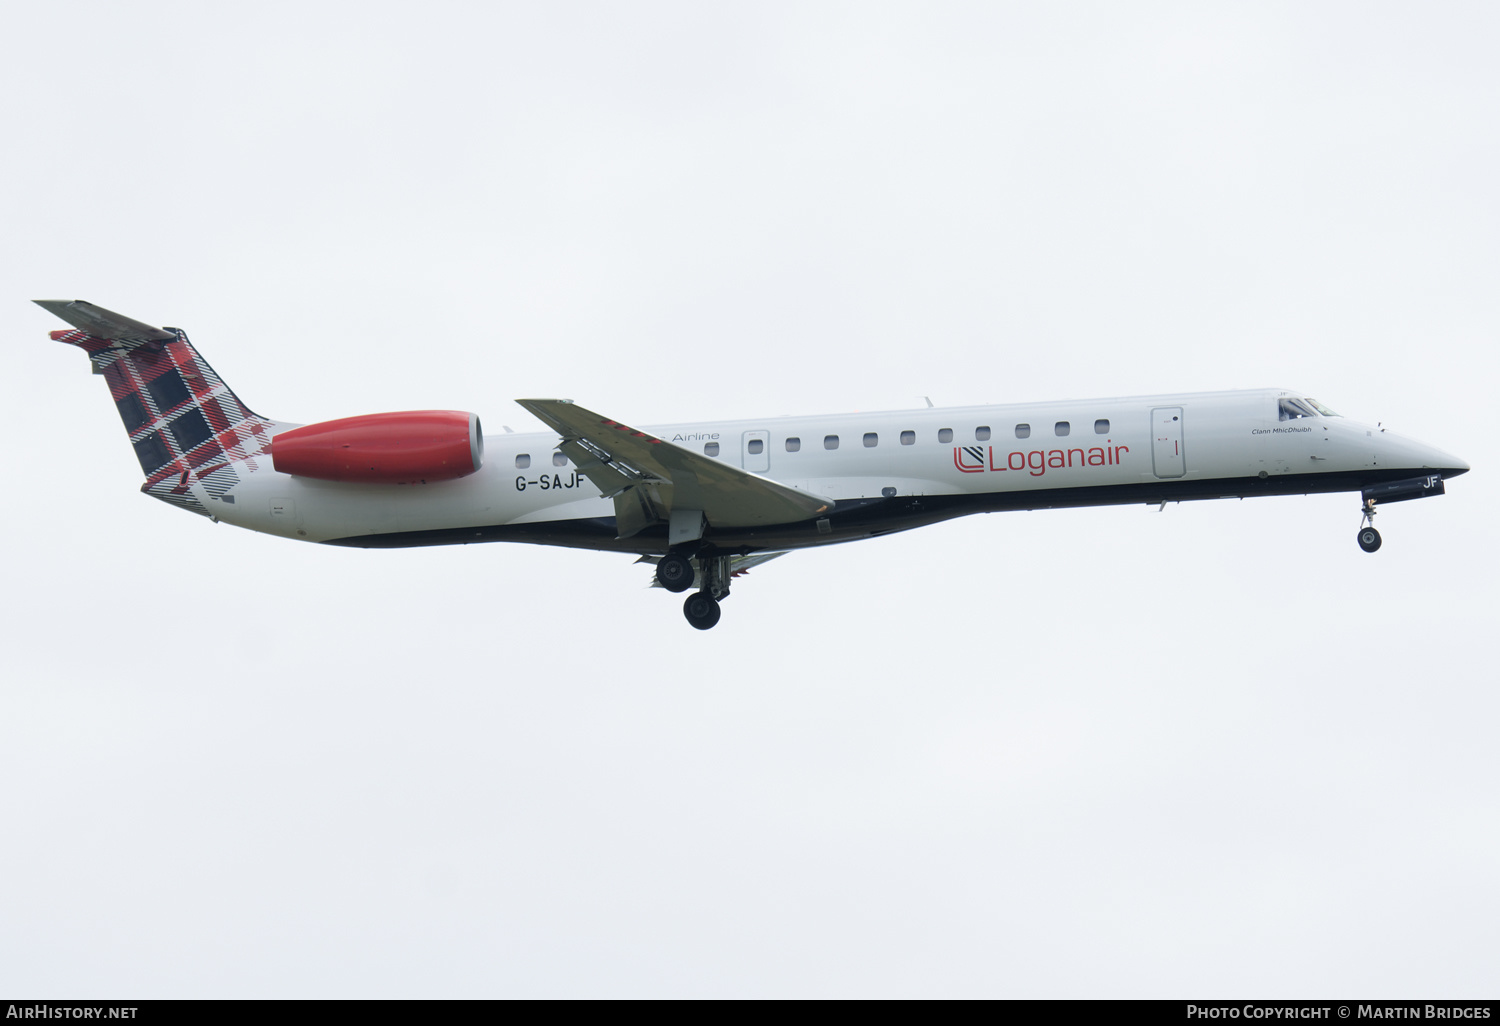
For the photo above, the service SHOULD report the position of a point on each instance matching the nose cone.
(1421, 456)
(1445, 462)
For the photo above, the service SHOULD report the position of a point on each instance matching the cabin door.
(756, 456)
(1166, 441)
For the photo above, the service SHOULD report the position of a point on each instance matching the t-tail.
(192, 435)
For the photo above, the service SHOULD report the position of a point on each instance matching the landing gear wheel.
(675, 572)
(701, 610)
(1369, 539)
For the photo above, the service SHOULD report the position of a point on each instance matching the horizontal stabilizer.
(102, 323)
(193, 437)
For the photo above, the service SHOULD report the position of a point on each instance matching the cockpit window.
(1325, 411)
(1293, 409)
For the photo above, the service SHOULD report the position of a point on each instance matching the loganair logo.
(977, 459)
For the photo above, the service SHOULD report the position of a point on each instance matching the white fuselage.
(888, 471)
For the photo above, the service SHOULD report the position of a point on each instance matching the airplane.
(703, 502)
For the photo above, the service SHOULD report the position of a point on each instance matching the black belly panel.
(852, 519)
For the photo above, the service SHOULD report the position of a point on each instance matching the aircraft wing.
(650, 478)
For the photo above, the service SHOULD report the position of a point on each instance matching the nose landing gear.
(1423, 487)
(1368, 537)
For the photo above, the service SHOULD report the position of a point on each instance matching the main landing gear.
(676, 572)
(701, 610)
(1368, 537)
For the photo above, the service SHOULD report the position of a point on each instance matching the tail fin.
(192, 435)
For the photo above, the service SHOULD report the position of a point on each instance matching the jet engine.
(383, 448)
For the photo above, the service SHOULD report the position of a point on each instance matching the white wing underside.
(650, 479)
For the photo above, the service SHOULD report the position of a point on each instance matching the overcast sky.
(1215, 750)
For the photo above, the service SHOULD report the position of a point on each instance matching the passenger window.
(756, 447)
(908, 438)
(945, 435)
(1061, 428)
(523, 461)
(710, 448)
(559, 460)
(1101, 427)
(830, 441)
(793, 444)
(871, 439)
(981, 434)
(1023, 430)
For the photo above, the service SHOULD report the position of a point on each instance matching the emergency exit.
(1166, 441)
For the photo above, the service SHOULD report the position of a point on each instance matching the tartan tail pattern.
(192, 435)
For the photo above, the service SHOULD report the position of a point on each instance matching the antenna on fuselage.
(929, 401)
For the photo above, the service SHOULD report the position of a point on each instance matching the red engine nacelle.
(383, 448)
